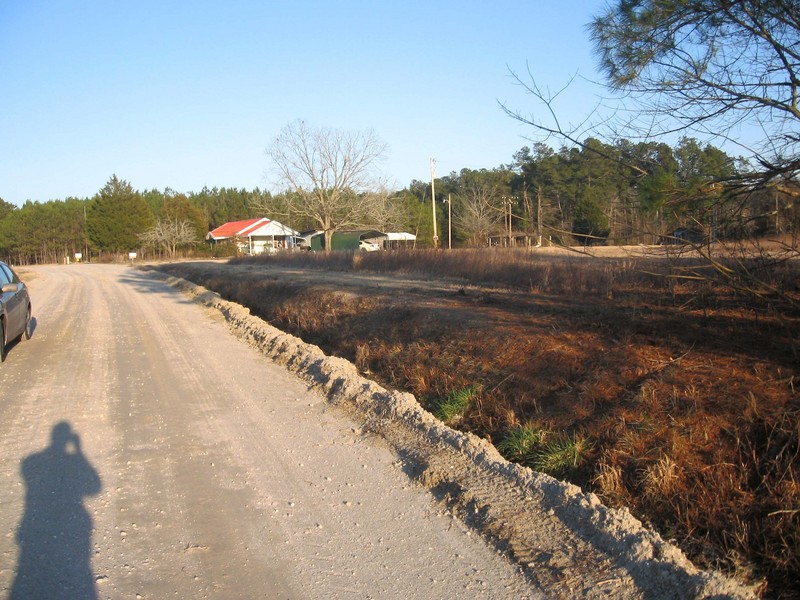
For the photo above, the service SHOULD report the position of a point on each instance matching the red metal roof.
(238, 228)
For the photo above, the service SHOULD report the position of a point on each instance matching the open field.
(674, 397)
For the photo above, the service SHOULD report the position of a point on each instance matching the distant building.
(399, 239)
(255, 236)
(360, 239)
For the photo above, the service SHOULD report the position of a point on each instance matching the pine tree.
(116, 217)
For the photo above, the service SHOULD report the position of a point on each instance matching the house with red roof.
(255, 236)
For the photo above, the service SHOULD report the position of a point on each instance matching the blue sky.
(186, 94)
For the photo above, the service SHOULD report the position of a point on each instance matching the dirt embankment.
(564, 539)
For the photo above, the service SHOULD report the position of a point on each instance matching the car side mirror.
(10, 288)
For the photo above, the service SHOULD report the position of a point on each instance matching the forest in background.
(596, 193)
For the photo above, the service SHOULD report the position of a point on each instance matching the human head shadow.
(55, 534)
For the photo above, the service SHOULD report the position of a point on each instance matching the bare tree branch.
(328, 173)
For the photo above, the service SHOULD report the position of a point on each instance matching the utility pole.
(433, 203)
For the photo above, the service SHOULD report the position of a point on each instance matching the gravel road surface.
(146, 453)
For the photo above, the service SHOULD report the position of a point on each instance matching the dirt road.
(146, 453)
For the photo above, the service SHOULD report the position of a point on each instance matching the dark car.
(15, 309)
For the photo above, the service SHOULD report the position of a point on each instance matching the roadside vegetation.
(675, 397)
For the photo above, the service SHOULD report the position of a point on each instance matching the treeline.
(119, 219)
(597, 193)
(618, 194)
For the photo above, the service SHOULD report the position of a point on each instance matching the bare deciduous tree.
(169, 235)
(329, 173)
(389, 214)
(480, 210)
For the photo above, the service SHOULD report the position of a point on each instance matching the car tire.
(2, 340)
(27, 333)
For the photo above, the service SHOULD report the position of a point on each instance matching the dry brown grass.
(683, 391)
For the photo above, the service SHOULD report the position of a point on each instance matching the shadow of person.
(55, 534)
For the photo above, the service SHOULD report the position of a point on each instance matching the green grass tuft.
(560, 454)
(521, 442)
(455, 404)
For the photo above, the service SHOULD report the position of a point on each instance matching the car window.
(5, 275)
(11, 274)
